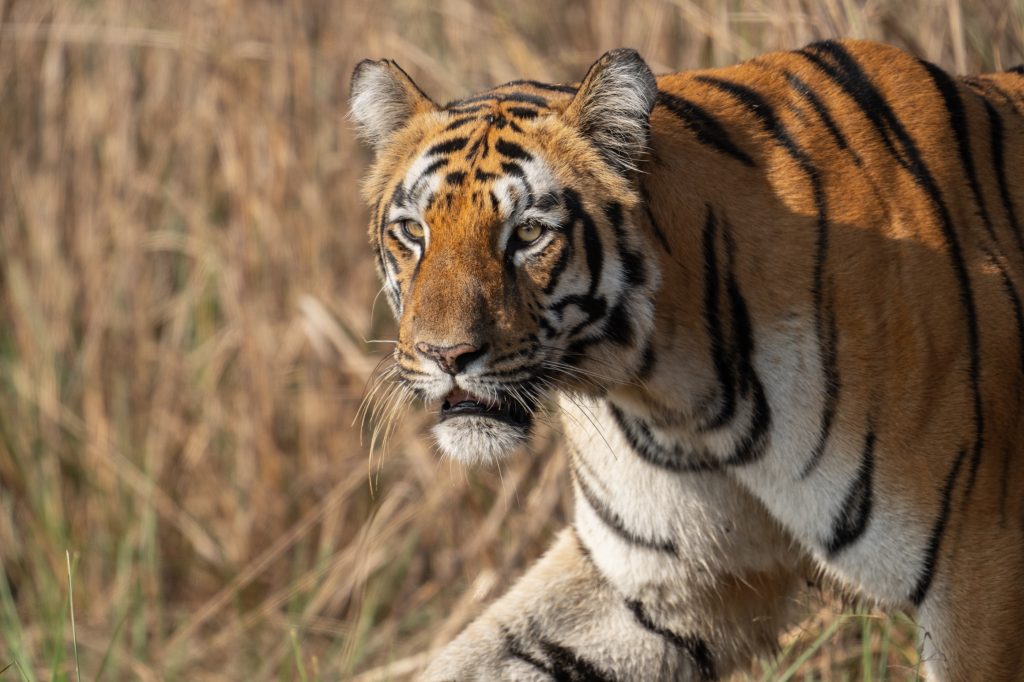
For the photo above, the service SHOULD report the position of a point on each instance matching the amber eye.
(529, 232)
(412, 229)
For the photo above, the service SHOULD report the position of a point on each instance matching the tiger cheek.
(543, 268)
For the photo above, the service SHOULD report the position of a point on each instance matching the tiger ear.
(383, 99)
(613, 107)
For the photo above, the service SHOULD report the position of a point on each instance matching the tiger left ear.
(613, 107)
(383, 99)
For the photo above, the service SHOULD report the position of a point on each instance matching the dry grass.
(185, 304)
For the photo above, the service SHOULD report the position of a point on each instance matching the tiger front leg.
(565, 621)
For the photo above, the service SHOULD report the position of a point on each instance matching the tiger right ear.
(613, 107)
(383, 99)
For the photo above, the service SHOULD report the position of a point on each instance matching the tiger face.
(508, 233)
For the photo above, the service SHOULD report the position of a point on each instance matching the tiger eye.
(412, 229)
(529, 232)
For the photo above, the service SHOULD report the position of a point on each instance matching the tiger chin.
(781, 308)
(477, 431)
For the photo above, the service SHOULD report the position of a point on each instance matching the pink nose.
(452, 359)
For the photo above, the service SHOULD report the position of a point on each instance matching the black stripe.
(829, 363)
(556, 271)
(569, 666)
(592, 249)
(545, 327)
(704, 126)
(406, 251)
(593, 307)
(999, 163)
(517, 651)
(429, 170)
(575, 353)
(500, 97)
(958, 122)
(523, 112)
(858, 87)
(617, 327)
(755, 442)
(713, 325)
(640, 439)
(584, 550)
(615, 523)
(613, 212)
(447, 147)
(931, 558)
(474, 149)
(455, 177)
(759, 107)
(546, 201)
(459, 122)
(513, 169)
(647, 361)
(856, 510)
(512, 150)
(634, 270)
(691, 645)
(466, 110)
(1016, 69)
(658, 232)
(554, 87)
(393, 262)
(809, 96)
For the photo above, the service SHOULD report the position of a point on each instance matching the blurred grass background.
(185, 309)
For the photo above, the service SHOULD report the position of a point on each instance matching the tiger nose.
(452, 359)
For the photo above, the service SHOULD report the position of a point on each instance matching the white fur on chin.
(478, 440)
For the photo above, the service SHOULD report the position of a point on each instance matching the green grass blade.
(865, 648)
(110, 647)
(811, 650)
(297, 652)
(71, 606)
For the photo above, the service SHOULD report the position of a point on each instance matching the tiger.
(778, 307)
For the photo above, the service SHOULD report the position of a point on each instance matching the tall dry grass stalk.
(185, 309)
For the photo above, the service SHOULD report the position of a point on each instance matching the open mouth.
(460, 403)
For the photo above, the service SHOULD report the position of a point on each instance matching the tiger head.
(510, 236)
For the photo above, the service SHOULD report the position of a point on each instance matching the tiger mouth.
(461, 403)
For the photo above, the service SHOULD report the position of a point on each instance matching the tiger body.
(784, 319)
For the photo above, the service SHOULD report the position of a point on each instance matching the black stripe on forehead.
(459, 122)
(453, 109)
(447, 146)
(523, 112)
(554, 87)
(498, 98)
(421, 183)
(511, 150)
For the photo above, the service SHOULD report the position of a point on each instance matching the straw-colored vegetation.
(186, 330)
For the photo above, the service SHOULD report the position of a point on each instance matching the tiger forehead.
(516, 99)
(478, 165)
